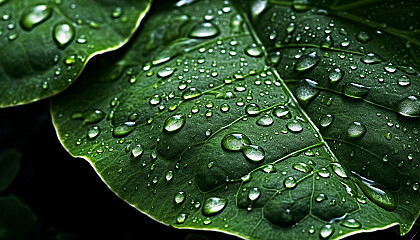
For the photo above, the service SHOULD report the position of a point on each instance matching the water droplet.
(377, 194)
(214, 205)
(179, 197)
(258, 7)
(371, 58)
(254, 193)
(326, 231)
(265, 120)
(355, 90)
(174, 123)
(350, 223)
(254, 153)
(289, 182)
(63, 34)
(294, 126)
(326, 120)
(70, 60)
(270, 168)
(137, 151)
(320, 197)
(306, 90)
(254, 50)
(165, 72)
(124, 129)
(117, 12)
(339, 170)
(252, 109)
(416, 186)
(302, 167)
(204, 30)
(191, 93)
(363, 37)
(169, 175)
(356, 130)
(181, 218)
(93, 132)
(235, 141)
(155, 100)
(336, 75)
(409, 106)
(390, 68)
(404, 81)
(34, 16)
(328, 42)
(323, 172)
(307, 62)
(224, 107)
(282, 112)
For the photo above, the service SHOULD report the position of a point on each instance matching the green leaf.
(9, 167)
(16, 219)
(45, 45)
(265, 120)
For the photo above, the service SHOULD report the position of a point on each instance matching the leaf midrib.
(286, 89)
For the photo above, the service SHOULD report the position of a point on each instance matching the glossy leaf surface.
(264, 119)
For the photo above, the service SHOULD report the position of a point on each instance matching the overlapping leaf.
(44, 46)
(267, 120)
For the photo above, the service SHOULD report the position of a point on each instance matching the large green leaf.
(44, 45)
(264, 120)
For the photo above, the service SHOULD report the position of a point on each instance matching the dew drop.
(254, 193)
(371, 58)
(235, 141)
(336, 75)
(339, 170)
(289, 182)
(117, 12)
(377, 194)
(93, 132)
(179, 197)
(124, 129)
(363, 37)
(155, 100)
(326, 120)
(254, 50)
(356, 130)
(191, 93)
(165, 72)
(328, 42)
(214, 205)
(323, 172)
(254, 153)
(306, 90)
(302, 167)
(294, 126)
(282, 112)
(307, 62)
(355, 90)
(351, 223)
(252, 109)
(181, 218)
(169, 175)
(204, 30)
(34, 16)
(265, 120)
(326, 231)
(63, 34)
(409, 106)
(174, 123)
(321, 197)
(137, 151)
(224, 107)
(404, 81)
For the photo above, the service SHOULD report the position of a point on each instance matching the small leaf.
(45, 45)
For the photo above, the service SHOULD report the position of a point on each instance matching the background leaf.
(9, 167)
(238, 120)
(45, 45)
(16, 219)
